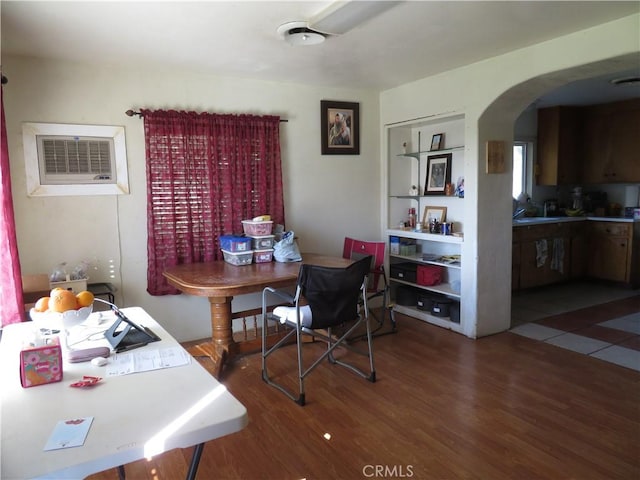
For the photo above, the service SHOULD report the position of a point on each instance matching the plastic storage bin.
(394, 245)
(262, 243)
(232, 243)
(263, 256)
(238, 258)
(257, 229)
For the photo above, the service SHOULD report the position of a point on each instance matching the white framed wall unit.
(67, 159)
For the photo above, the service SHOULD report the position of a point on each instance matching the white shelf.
(418, 197)
(444, 322)
(443, 288)
(430, 152)
(418, 259)
(432, 237)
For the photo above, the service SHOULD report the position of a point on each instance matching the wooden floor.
(444, 407)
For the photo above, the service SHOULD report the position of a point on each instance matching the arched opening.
(495, 206)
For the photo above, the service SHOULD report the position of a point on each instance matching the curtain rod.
(131, 113)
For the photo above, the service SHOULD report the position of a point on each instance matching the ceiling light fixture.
(625, 81)
(343, 16)
(299, 34)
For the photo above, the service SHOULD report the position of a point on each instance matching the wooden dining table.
(220, 281)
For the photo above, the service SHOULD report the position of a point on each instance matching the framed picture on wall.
(340, 124)
(438, 174)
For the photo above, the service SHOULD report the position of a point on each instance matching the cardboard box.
(42, 364)
(76, 286)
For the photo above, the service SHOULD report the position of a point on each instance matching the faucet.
(519, 212)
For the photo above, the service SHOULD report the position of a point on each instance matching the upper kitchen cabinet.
(558, 145)
(611, 143)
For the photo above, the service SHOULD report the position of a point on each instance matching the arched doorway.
(494, 191)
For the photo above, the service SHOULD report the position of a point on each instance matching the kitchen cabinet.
(515, 260)
(610, 248)
(579, 248)
(558, 146)
(441, 251)
(544, 256)
(611, 143)
(593, 248)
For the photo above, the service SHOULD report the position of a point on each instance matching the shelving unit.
(403, 174)
(438, 245)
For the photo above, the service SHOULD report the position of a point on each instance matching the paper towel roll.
(632, 196)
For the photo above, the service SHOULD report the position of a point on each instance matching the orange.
(54, 290)
(84, 298)
(62, 300)
(42, 305)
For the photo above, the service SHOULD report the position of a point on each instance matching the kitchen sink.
(527, 220)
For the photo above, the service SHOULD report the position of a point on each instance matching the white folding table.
(135, 416)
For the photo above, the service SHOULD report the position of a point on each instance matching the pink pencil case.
(86, 354)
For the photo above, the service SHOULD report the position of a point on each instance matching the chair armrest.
(287, 297)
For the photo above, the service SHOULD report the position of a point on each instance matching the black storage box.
(404, 271)
(454, 312)
(426, 300)
(441, 308)
(406, 296)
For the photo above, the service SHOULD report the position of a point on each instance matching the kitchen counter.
(520, 222)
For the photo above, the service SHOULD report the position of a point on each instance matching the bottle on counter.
(412, 218)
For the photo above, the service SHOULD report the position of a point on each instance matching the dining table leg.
(221, 346)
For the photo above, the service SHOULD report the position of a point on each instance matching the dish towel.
(541, 252)
(557, 257)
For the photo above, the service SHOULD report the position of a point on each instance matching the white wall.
(326, 197)
(492, 94)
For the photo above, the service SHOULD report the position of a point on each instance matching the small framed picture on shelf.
(430, 213)
(438, 174)
(437, 141)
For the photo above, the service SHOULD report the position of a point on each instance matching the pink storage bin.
(263, 256)
(257, 229)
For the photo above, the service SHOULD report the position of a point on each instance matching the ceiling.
(412, 40)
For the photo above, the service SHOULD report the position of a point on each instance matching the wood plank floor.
(444, 407)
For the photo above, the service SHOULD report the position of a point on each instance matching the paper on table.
(145, 360)
(69, 433)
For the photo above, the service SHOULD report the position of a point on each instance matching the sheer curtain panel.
(11, 301)
(205, 174)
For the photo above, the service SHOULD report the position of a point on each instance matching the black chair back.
(333, 294)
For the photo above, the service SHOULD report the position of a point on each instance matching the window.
(63, 159)
(520, 152)
(206, 173)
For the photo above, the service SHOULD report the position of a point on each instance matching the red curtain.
(11, 301)
(205, 174)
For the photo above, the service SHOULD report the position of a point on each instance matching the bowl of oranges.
(62, 309)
